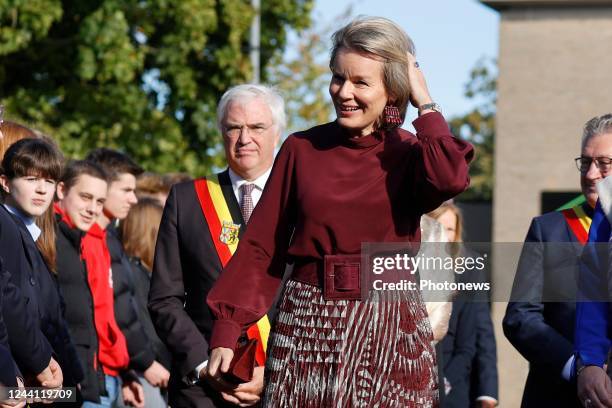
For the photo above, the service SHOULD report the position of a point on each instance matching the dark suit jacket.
(28, 345)
(543, 331)
(459, 348)
(484, 379)
(185, 268)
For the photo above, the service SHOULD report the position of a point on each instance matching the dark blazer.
(28, 345)
(484, 378)
(8, 373)
(126, 314)
(185, 268)
(459, 348)
(46, 302)
(543, 332)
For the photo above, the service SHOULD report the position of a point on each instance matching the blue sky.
(450, 36)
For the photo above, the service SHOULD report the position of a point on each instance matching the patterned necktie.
(246, 204)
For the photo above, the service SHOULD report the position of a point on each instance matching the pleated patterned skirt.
(372, 353)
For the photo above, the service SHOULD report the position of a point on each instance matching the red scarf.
(63, 215)
(112, 347)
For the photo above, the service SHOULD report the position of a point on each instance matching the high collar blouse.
(329, 193)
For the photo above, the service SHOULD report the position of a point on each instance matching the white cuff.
(193, 377)
(200, 367)
(567, 369)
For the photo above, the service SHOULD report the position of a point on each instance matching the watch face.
(433, 106)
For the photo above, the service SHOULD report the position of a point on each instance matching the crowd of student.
(76, 251)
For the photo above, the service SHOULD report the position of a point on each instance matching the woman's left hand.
(419, 94)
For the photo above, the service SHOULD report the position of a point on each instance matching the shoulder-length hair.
(382, 38)
(139, 230)
(449, 206)
(40, 157)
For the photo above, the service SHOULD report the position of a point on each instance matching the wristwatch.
(433, 106)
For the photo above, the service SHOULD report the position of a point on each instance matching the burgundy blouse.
(334, 192)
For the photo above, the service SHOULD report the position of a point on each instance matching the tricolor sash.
(224, 233)
(579, 222)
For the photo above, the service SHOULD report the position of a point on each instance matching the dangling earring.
(391, 117)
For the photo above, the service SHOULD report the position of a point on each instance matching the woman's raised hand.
(419, 94)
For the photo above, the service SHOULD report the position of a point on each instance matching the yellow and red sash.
(579, 222)
(224, 234)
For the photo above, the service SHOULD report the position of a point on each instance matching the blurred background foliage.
(477, 126)
(141, 76)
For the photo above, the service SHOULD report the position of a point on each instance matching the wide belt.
(341, 276)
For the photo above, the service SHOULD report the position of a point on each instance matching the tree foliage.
(143, 76)
(478, 127)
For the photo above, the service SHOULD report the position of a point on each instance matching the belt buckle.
(342, 277)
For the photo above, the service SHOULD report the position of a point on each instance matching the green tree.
(478, 127)
(143, 76)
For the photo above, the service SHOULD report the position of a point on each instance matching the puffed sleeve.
(442, 170)
(246, 289)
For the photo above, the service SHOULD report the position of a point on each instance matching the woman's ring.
(416, 64)
(587, 402)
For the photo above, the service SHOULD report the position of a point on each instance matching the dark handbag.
(243, 364)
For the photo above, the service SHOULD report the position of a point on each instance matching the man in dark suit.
(201, 225)
(539, 320)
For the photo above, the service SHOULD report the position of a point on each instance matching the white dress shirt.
(260, 183)
(29, 222)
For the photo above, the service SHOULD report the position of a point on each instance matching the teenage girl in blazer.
(30, 171)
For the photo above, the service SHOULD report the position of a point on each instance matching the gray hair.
(383, 38)
(598, 125)
(246, 92)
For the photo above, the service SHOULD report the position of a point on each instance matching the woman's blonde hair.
(139, 230)
(385, 39)
(449, 206)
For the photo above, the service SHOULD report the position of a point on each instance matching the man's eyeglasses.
(583, 163)
(236, 130)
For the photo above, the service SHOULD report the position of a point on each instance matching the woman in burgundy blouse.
(333, 187)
